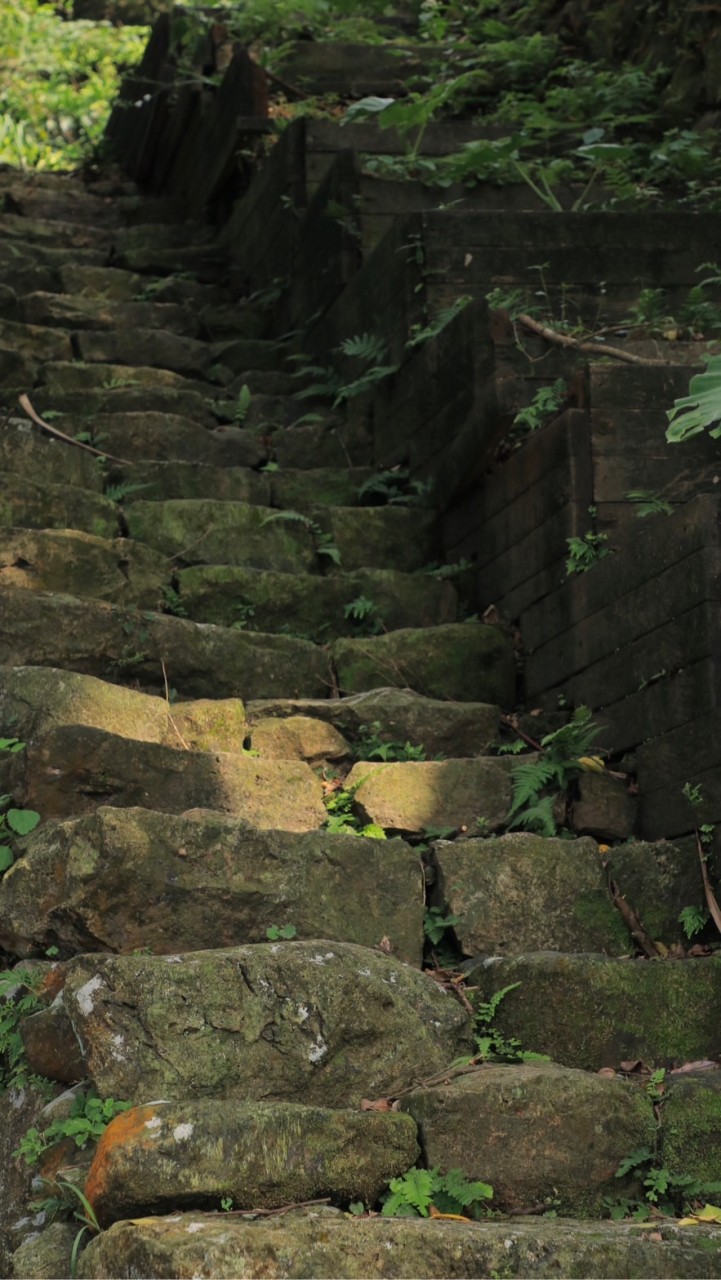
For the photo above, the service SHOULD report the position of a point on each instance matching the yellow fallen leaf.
(592, 764)
(709, 1213)
(449, 1217)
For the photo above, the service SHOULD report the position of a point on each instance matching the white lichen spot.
(319, 959)
(155, 1123)
(119, 1048)
(364, 973)
(84, 996)
(318, 1050)
(182, 1132)
(194, 1226)
(173, 959)
(303, 1013)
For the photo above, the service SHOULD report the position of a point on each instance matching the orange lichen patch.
(129, 1126)
(52, 982)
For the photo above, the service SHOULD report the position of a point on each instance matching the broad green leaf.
(7, 857)
(700, 410)
(22, 821)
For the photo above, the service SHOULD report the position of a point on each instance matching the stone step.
(117, 570)
(78, 311)
(115, 284)
(161, 481)
(522, 892)
(324, 1242)
(130, 645)
(593, 1011)
(76, 377)
(314, 606)
(295, 489)
(21, 194)
(464, 662)
(319, 1022)
(154, 348)
(27, 505)
(208, 531)
(90, 408)
(234, 1150)
(205, 263)
(395, 715)
(73, 769)
(36, 231)
(34, 455)
(122, 879)
(37, 699)
(417, 796)
(353, 69)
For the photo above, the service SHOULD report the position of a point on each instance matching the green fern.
(536, 784)
(364, 346)
(412, 1195)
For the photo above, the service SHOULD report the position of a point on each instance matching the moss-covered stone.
(324, 1023)
(37, 699)
(319, 1244)
(399, 538)
(522, 892)
(194, 479)
(417, 795)
(590, 1011)
(98, 639)
(72, 769)
(35, 342)
(165, 1157)
(398, 715)
(318, 486)
(313, 606)
(47, 1255)
(537, 1132)
(73, 375)
(82, 564)
(25, 504)
(119, 879)
(657, 880)
(298, 738)
(155, 347)
(691, 1126)
(465, 662)
(204, 530)
(27, 452)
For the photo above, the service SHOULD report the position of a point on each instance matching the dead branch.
(25, 404)
(590, 348)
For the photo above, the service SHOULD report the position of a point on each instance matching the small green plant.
(544, 406)
(420, 334)
(363, 614)
(341, 818)
(656, 1086)
(648, 503)
(650, 310)
(585, 552)
(226, 1203)
(491, 1044)
(281, 933)
(116, 492)
(87, 1122)
(417, 1191)
(436, 921)
(693, 920)
(13, 821)
(371, 746)
(694, 794)
(244, 616)
(665, 1191)
(173, 603)
(394, 488)
(536, 785)
(63, 1201)
(324, 544)
(242, 405)
(18, 1000)
(700, 410)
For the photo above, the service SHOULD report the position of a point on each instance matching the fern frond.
(528, 780)
(537, 817)
(364, 346)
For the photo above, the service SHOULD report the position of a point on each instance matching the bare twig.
(24, 402)
(273, 1213)
(711, 899)
(167, 699)
(632, 922)
(591, 348)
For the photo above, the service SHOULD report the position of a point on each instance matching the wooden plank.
(628, 230)
(470, 266)
(543, 546)
(676, 476)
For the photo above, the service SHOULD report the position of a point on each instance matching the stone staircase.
(199, 689)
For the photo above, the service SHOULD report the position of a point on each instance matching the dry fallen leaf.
(376, 1104)
(608, 1073)
(702, 1064)
(448, 1217)
(386, 945)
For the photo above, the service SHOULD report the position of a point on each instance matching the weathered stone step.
(22, 253)
(416, 796)
(36, 231)
(241, 354)
(123, 879)
(168, 1156)
(78, 311)
(355, 69)
(313, 606)
(81, 564)
(208, 531)
(50, 630)
(73, 769)
(464, 662)
(396, 715)
(88, 410)
(154, 348)
(294, 489)
(118, 285)
(325, 1023)
(204, 530)
(63, 202)
(37, 699)
(76, 376)
(35, 456)
(207, 264)
(27, 505)
(521, 892)
(326, 1243)
(592, 1011)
